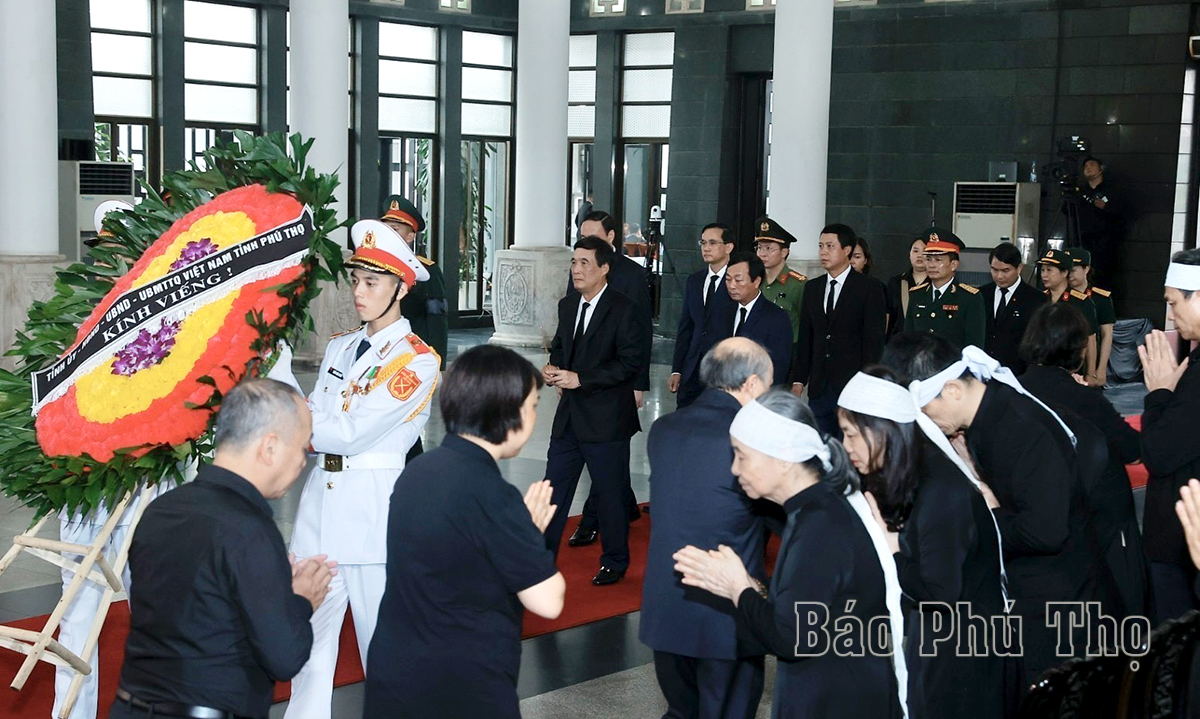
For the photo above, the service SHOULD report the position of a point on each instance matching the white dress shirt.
(720, 275)
(837, 289)
(591, 310)
(1007, 298)
(940, 292)
(749, 307)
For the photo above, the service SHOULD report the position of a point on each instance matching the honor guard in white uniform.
(83, 529)
(371, 400)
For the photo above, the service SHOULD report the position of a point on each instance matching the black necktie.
(363, 347)
(712, 287)
(829, 300)
(579, 326)
(937, 295)
(1003, 300)
(741, 322)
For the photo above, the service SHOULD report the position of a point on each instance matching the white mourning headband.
(984, 367)
(777, 436)
(1185, 278)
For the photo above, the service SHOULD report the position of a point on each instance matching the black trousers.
(709, 688)
(608, 465)
(121, 710)
(824, 409)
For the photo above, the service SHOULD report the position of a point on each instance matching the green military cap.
(1056, 258)
(938, 241)
(769, 230)
(1080, 256)
(398, 208)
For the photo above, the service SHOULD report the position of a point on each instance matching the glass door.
(579, 201)
(643, 204)
(409, 172)
(485, 227)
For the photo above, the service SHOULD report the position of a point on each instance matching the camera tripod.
(1068, 213)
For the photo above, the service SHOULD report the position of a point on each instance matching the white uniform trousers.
(77, 621)
(360, 585)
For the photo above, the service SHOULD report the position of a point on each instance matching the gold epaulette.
(921, 286)
(1078, 295)
(1102, 293)
(968, 288)
(797, 276)
(343, 334)
(425, 260)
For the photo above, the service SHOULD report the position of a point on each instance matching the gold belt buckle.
(333, 463)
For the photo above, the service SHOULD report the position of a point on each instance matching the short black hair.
(920, 355)
(866, 248)
(606, 220)
(845, 234)
(482, 392)
(727, 234)
(758, 270)
(1007, 253)
(1057, 336)
(1187, 257)
(605, 254)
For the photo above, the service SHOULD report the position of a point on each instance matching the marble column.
(800, 123)
(531, 276)
(319, 57)
(29, 158)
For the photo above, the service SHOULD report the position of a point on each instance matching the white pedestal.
(529, 283)
(23, 279)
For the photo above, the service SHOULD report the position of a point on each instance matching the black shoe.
(607, 576)
(583, 536)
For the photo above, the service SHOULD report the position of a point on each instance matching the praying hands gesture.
(537, 501)
(1159, 367)
(719, 571)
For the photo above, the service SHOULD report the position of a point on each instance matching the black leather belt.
(170, 709)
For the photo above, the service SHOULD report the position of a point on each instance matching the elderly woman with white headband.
(945, 542)
(834, 592)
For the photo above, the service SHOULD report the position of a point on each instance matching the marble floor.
(597, 670)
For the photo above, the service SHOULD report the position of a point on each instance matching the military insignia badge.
(395, 205)
(404, 384)
(765, 227)
(933, 237)
(369, 240)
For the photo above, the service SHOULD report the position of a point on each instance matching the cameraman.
(1099, 221)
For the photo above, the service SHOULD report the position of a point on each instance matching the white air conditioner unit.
(988, 213)
(82, 186)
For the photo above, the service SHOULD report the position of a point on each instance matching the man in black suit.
(628, 278)
(595, 359)
(704, 297)
(698, 502)
(842, 325)
(752, 315)
(1009, 303)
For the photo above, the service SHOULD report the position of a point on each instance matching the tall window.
(646, 85)
(581, 124)
(123, 81)
(220, 69)
(487, 124)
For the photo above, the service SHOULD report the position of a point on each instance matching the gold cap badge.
(369, 241)
(395, 205)
(766, 226)
(933, 237)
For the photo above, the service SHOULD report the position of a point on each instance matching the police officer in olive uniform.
(940, 305)
(425, 306)
(1055, 268)
(784, 287)
(1106, 314)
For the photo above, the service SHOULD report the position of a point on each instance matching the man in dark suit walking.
(628, 278)
(752, 315)
(595, 359)
(1008, 302)
(842, 325)
(704, 297)
(697, 502)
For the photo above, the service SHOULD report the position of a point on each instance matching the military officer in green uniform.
(1106, 315)
(784, 286)
(425, 305)
(941, 305)
(1055, 268)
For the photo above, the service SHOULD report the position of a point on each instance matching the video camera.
(1071, 152)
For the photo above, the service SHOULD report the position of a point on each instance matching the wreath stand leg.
(40, 645)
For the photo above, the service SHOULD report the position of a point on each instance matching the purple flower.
(193, 252)
(146, 350)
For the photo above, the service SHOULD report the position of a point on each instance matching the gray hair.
(732, 361)
(254, 408)
(841, 473)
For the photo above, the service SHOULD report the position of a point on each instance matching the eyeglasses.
(710, 243)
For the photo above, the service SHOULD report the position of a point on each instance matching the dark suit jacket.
(831, 349)
(697, 501)
(767, 324)
(629, 278)
(608, 360)
(1004, 332)
(695, 324)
